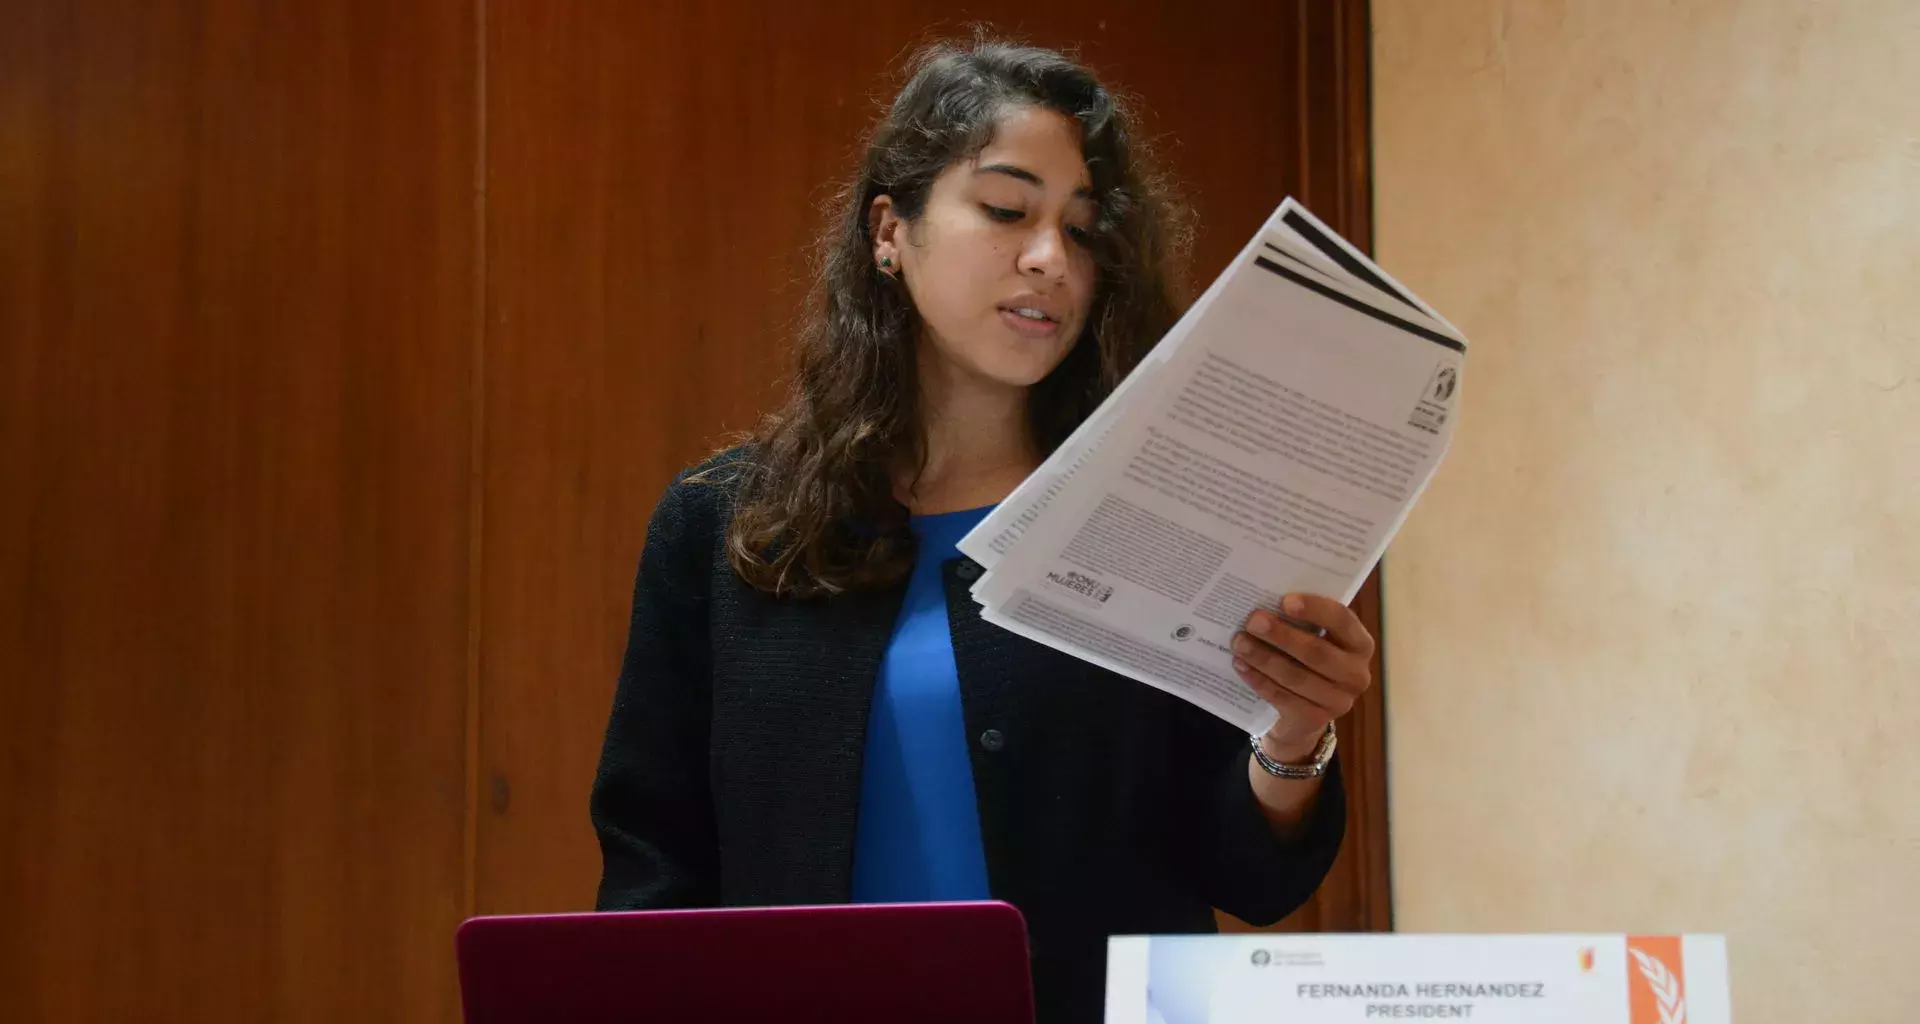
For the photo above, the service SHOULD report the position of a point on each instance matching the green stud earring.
(886, 261)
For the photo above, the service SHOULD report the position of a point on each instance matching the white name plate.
(1350, 979)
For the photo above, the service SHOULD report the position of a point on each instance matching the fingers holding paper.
(1311, 669)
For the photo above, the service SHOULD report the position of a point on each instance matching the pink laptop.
(894, 962)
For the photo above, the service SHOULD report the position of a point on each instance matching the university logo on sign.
(1657, 989)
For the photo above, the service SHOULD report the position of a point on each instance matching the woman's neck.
(978, 445)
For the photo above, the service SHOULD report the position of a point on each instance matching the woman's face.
(997, 266)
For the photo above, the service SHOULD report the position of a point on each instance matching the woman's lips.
(1030, 328)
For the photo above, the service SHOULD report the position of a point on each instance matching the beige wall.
(1654, 634)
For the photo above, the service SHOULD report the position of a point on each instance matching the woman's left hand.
(1310, 679)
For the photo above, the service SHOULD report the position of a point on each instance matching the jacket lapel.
(794, 738)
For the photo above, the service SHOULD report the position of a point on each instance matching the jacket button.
(993, 741)
(968, 570)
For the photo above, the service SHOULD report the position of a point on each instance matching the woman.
(810, 708)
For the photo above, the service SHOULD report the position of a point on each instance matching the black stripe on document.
(1344, 258)
(1355, 304)
(1291, 258)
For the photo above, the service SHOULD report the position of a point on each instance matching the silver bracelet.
(1315, 767)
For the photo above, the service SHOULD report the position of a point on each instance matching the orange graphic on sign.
(1656, 983)
(1586, 959)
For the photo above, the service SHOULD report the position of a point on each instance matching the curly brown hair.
(815, 513)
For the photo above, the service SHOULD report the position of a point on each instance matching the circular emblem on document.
(1185, 632)
(1262, 958)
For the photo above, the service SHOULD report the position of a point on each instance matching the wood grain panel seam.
(1303, 93)
(476, 472)
(1354, 147)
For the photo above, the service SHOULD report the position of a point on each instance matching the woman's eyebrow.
(1022, 174)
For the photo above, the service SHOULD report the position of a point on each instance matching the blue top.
(918, 838)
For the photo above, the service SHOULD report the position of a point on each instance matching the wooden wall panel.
(654, 171)
(236, 314)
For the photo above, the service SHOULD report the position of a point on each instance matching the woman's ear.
(885, 227)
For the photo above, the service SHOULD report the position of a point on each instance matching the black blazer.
(731, 770)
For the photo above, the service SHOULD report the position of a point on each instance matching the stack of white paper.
(1271, 444)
